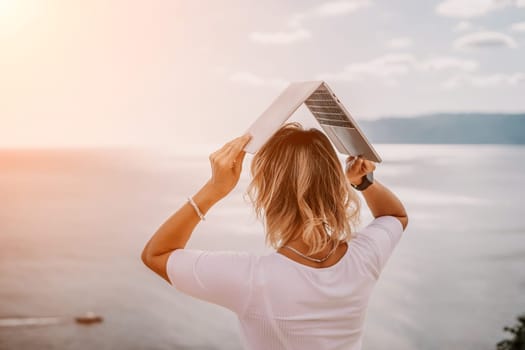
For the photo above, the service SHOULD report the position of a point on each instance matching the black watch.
(366, 181)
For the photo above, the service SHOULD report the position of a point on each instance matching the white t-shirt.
(282, 304)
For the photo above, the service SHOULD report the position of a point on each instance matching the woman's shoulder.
(228, 257)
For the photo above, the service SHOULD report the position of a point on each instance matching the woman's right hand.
(357, 167)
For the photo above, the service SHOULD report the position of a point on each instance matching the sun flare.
(7, 8)
(15, 14)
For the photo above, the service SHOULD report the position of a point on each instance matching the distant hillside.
(472, 128)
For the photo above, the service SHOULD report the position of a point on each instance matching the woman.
(313, 291)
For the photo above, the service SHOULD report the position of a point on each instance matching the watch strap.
(366, 181)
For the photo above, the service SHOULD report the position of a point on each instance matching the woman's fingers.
(237, 162)
(349, 162)
(369, 166)
(229, 145)
(357, 165)
(226, 164)
(228, 154)
(237, 145)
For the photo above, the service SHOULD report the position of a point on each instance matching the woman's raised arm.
(226, 166)
(379, 198)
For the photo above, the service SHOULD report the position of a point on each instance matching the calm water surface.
(73, 224)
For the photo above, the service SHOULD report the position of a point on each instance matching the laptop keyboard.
(326, 110)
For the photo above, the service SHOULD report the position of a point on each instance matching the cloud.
(250, 79)
(485, 39)
(463, 26)
(327, 9)
(518, 27)
(337, 8)
(297, 31)
(389, 68)
(485, 81)
(473, 8)
(399, 43)
(280, 38)
(449, 63)
(465, 8)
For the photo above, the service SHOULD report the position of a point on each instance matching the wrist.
(211, 192)
(206, 197)
(356, 181)
(372, 185)
(366, 181)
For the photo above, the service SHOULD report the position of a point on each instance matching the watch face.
(370, 177)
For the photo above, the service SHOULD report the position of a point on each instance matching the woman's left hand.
(226, 165)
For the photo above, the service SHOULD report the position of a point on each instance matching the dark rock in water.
(518, 336)
(89, 318)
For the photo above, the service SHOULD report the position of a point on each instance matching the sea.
(73, 223)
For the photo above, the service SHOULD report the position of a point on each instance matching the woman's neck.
(302, 247)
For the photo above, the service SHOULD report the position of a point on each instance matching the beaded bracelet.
(197, 210)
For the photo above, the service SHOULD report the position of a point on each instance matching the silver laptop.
(332, 116)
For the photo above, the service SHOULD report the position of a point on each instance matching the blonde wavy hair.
(299, 189)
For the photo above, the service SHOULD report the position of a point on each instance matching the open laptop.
(333, 117)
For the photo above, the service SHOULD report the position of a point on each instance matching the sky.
(164, 73)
